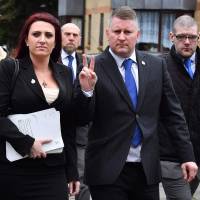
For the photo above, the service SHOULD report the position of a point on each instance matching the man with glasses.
(183, 62)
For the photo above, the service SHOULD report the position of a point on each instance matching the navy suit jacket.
(114, 119)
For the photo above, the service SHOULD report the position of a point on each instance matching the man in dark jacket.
(70, 42)
(183, 62)
(133, 88)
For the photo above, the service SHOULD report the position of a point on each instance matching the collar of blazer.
(109, 66)
(26, 63)
(143, 70)
(31, 80)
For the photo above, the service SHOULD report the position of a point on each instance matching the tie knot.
(70, 58)
(128, 63)
(187, 62)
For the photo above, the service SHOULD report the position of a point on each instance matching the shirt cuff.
(88, 93)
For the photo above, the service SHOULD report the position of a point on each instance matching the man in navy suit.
(133, 90)
(71, 38)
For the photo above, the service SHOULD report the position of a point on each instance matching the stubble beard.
(69, 50)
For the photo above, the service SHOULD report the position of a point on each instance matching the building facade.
(155, 18)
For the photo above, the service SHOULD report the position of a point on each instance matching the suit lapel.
(78, 64)
(111, 69)
(143, 71)
(57, 72)
(30, 78)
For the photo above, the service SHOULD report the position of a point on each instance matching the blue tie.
(188, 64)
(70, 59)
(132, 90)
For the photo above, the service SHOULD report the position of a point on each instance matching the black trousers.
(84, 193)
(37, 186)
(130, 185)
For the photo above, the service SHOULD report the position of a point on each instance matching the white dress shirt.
(65, 61)
(134, 153)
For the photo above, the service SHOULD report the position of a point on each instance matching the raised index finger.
(92, 62)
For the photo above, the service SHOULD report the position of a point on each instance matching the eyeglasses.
(191, 38)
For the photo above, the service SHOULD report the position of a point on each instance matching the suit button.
(137, 116)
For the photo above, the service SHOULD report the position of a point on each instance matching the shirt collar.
(64, 54)
(119, 60)
(192, 58)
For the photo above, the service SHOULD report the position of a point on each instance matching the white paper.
(43, 124)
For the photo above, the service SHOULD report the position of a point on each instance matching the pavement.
(163, 197)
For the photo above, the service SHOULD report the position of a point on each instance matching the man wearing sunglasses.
(183, 63)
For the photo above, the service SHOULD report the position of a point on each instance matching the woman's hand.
(36, 149)
(87, 76)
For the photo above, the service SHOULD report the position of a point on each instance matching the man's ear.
(138, 35)
(171, 37)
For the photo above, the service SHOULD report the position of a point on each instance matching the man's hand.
(87, 76)
(74, 188)
(189, 170)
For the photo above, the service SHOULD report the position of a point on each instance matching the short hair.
(22, 49)
(184, 21)
(70, 24)
(125, 13)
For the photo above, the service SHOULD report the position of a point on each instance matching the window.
(167, 23)
(155, 27)
(89, 29)
(149, 27)
(101, 31)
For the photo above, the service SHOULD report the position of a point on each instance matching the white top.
(51, 94)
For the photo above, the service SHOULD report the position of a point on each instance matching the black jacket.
(81, 131)
(114, 119)
(28, 97)
(188, 92)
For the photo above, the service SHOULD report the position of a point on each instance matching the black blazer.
(28, 97)
(81, 131)
(188, 92)
(114, 119)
